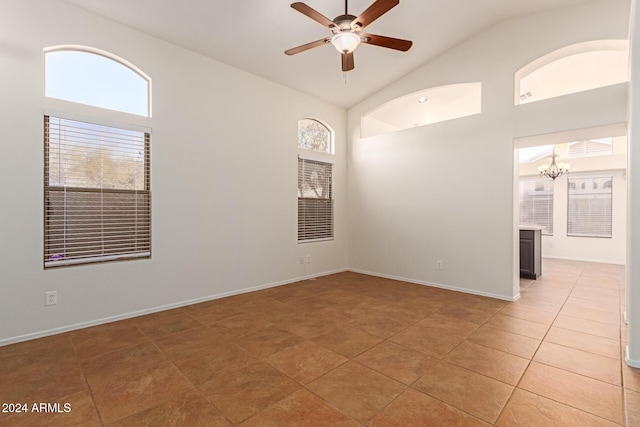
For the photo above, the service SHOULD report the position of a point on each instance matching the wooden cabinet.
(530, 253)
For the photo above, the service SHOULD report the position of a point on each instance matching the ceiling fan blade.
(388, 42)
(347, 62)
(307, 46)
(373, 12)
(313, 14)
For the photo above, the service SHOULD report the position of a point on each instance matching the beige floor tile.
(493, 363)
(398, 362)
(41, 370)
(247, 391)
(242, 324)
(466, 390)
(525, 313)
(430, 341)
(612, 318)
(415, 409)
(632, 408)
(356, 390)
(580, 362)
(449, 325)
(267, 341)
(518, 326)
(347, 340)
(538, 304)
(300, 407)
(158, 325)
(190, 409)
(594, 304)
(583, 341)
(98, 340)
(131, 380)
(587, 394)
(588, 326)
(213, 311)
(201, 354)
(515, 344)
(631, 377)
(306, 361)
(532, 410)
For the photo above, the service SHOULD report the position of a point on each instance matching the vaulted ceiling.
(253, 34)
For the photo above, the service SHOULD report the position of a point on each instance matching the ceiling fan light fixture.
(345, 41)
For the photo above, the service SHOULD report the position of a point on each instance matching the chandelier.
(554, 169)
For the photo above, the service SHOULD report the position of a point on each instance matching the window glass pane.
(96, 80)
(314, 136)
(97, 193)
(590, 207)
(592, 147)
(94, 156)
(536, 203)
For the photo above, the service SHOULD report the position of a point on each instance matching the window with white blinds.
(590, 211)
(315, 200)
(97, 198)
(536, 203)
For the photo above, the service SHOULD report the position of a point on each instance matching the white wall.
(446, 191)
(633, 166)
(224, 165)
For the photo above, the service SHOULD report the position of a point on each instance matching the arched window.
(93, 77)
(425, 107)
(572, 69)
(315, 136)
(97, 186)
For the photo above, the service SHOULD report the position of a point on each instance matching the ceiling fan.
(347, 29)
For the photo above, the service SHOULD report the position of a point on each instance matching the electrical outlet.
(439, 265)
(51, 298)
(308, 259)
(301, 260)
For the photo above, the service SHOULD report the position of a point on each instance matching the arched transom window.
(315, 136)
(93, 77)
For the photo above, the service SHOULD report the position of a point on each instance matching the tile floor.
(345, 350)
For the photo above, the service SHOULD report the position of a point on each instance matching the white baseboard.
(583, 260)
(81, 325)
(441, 286)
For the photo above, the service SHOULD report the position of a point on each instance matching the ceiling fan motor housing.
(344, 22)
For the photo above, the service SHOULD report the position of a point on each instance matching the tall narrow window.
(315, 200)
(536, 203)
(590, 212)
(97, 193)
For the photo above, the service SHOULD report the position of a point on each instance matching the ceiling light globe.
(345, 41)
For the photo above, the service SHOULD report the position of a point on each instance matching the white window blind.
(97, 203)
(315, 200)
(536, 203)
(590, 213)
